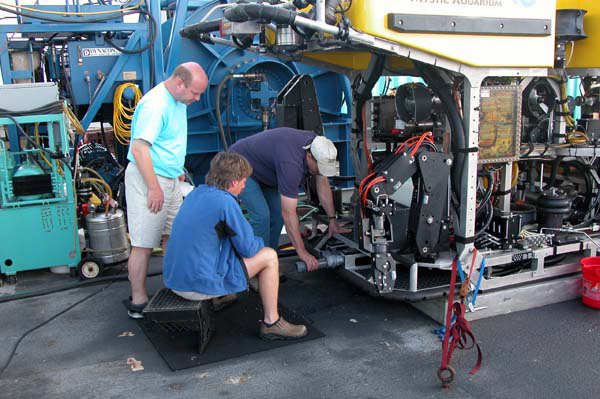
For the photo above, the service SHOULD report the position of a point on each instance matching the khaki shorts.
(146, 228)
(194, 296)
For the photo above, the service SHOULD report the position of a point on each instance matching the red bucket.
(590, 269)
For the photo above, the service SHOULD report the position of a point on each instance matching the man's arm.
(292, 227)
(140, 149)
(242, 236)
(326, 200)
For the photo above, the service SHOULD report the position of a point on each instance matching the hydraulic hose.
(263, 12)
(362, 92)
(218, 110)
(242, 13)
(459, 135)
(192, 31)
(68, 286)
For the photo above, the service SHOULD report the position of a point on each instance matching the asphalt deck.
(373, 348)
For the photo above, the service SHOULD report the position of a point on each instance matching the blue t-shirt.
(162, 122)
(200, 255)
(277, 157)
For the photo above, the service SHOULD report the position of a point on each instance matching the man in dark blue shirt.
(281, 158)
(213, 251)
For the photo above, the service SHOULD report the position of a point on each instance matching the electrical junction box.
(27, 96)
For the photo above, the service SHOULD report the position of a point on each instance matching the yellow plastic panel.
(370, 16)
(586, 53)
(354, 61)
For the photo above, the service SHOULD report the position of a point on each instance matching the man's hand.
(335, 228)
(311, 262)
(182, 177)
(156, 199)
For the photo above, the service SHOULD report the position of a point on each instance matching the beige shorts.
(194, 296)
(146, 228)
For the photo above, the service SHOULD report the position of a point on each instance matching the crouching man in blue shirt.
(213, 251)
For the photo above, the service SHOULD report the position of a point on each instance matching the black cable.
(459, 133)
(70, 286)
(218, 111)
(151, 37)
(488, 193)
(585, 172)
(343, 10)
(14, 350)
(489, 216)
(228, 112)
(78, 20)
(52, 154)
(50, 108)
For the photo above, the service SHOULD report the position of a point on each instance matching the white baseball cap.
(324, 152)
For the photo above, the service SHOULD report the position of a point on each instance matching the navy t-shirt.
(277, 157)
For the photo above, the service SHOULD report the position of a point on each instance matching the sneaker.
(134, 310)
(282, 329)
(224, 301)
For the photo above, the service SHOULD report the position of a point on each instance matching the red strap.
(462, 336)
(461, 332)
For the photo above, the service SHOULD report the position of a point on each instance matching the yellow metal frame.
(370, 16)
(585, 53)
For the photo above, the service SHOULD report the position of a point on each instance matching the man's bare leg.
(266, 265)
(137, 266)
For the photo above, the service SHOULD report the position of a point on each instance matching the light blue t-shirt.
(162, 122)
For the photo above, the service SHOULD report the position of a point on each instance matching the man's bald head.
(187, 82)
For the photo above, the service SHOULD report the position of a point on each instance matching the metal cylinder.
(328, 261)
(287, 38)
(108, 236)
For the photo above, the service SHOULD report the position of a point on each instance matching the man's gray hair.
(184, 74)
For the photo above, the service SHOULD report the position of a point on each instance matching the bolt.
(376, 189)
(424, 158)
(430, 220)
(424, 250)
(385, 172)
(391, 180)
(448, 162)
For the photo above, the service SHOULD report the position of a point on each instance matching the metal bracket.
(413, 23)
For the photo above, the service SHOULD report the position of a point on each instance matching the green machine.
(38, 221)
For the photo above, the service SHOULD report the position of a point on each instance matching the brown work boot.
(282, 329)
(224, 301)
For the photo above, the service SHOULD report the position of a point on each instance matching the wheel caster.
(89, 268)
(73, 272)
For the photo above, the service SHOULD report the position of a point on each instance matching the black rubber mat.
(236, 335)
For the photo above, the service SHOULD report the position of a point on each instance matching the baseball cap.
(324, 152)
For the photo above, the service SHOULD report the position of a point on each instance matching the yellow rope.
(101, 182)
(577, 137)
(73, 119)
(123, 114)
(73, 13)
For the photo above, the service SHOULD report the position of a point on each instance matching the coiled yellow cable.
(123, 114)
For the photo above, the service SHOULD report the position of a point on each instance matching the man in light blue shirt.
(157, 154)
